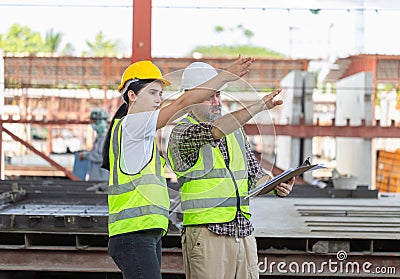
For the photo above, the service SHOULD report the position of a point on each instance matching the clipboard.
(283, 177)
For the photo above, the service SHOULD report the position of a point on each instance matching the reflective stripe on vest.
(208, 190)
(136, 201)
(213, 202)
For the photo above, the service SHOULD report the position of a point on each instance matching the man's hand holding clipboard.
(284, 177)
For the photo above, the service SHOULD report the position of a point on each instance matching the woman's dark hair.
(121, 112)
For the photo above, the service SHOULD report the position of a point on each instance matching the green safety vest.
(211, 191)
(139, 201)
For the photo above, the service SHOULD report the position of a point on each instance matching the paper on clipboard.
(283, 177)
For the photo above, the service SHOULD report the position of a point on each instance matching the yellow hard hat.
(142, 70)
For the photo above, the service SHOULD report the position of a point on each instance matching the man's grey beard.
(211, 113)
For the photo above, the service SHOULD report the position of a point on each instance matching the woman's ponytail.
(121, 112)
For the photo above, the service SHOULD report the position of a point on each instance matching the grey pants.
(137, 255)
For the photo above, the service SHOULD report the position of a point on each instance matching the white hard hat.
(198, 73)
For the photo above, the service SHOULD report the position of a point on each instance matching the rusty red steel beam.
(68, 173)
(77, 260)
(141, 31)
(56, 260)
(301, 130)
(270, 263)
(309, 131)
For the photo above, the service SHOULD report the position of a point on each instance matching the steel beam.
(68, 173)
(76, 260)
(56, 260)
(141, 31)
(308, 131)
(301, 130)
(292, 263)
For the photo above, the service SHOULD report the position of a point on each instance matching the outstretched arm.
(203, 92)
(228, 123)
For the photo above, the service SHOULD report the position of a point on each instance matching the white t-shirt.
(138, 133)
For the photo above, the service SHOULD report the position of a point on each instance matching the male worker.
(98, 121)
(215, 168)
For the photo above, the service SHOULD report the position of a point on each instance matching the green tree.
(231, 51)
(21, 39)
(52, 41)
(68, 49)
(246, 32)
(219, 29)
(101, 47)
(223, 51)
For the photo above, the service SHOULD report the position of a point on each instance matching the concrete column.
(355, 156)
(297, 98)
(308, 114)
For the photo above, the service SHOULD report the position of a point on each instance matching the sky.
(178, 26)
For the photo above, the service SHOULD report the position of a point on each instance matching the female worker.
(137, 195)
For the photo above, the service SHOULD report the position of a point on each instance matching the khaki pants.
(207, 255)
